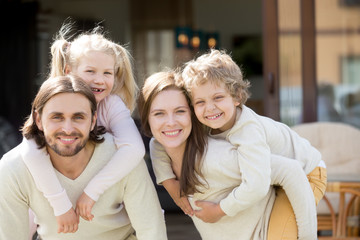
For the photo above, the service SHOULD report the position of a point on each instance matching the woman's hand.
(84, 206)
(173, 188)
(210, 212)
(68, 222)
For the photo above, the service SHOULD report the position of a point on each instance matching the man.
(63, 121)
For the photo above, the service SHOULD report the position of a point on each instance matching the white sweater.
(267, 151)
(129, 205)
(222, 172)
(116, 118)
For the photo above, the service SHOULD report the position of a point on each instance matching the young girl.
(218, 94)
(105, 66)
(208, 169)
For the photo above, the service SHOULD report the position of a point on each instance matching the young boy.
(218, 92)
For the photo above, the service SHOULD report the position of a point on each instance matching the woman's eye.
(158, 114)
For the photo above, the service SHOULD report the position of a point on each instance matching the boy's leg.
(318, 180)
(282, 224)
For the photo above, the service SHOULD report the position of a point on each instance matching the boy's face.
(214, 106)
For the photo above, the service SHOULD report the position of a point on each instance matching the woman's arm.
(164, 175)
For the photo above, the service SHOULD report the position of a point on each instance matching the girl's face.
(214, 106)
(170, 119)
(97, 69)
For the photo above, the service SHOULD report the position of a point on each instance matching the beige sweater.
(128, 206)
(222, 172)
(268, 152)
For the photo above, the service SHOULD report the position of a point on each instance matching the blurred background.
(302, 57)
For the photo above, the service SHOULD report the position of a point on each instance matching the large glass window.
(338, 60)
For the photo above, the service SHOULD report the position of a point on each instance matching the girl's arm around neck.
(116, 118)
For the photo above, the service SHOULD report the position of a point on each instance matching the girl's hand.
(68, 222)
(84, 206)
(210, 212)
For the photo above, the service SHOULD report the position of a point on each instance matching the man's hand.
(68, 222)
(210, 212)
(84, 206)
(173, 188)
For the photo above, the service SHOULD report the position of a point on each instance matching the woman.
(167, 115)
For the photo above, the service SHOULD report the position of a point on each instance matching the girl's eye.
(181, 111)
(199, 102)
(89, 71)
(108, 73)
(219, 97)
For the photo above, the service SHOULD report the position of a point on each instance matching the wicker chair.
(339, 145)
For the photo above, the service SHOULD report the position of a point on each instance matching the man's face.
(66, 122)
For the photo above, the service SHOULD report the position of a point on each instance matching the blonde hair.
(216, 67)
(68, 53)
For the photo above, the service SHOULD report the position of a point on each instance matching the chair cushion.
(339, 145)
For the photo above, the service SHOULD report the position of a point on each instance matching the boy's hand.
(173, 188)
(210, 212)
(68, 222)
(84, 206)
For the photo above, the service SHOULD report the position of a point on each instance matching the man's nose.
(67, 127)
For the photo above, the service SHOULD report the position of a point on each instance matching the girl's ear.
(67, 69)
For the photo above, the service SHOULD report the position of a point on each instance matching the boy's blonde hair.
(218, 68)
(66, 53)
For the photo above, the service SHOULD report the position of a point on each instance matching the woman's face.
(97, 70)
(170, 119)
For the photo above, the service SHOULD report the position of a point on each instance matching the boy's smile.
(214, 106)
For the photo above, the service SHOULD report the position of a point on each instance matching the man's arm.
(14, 210)
(143, 206)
